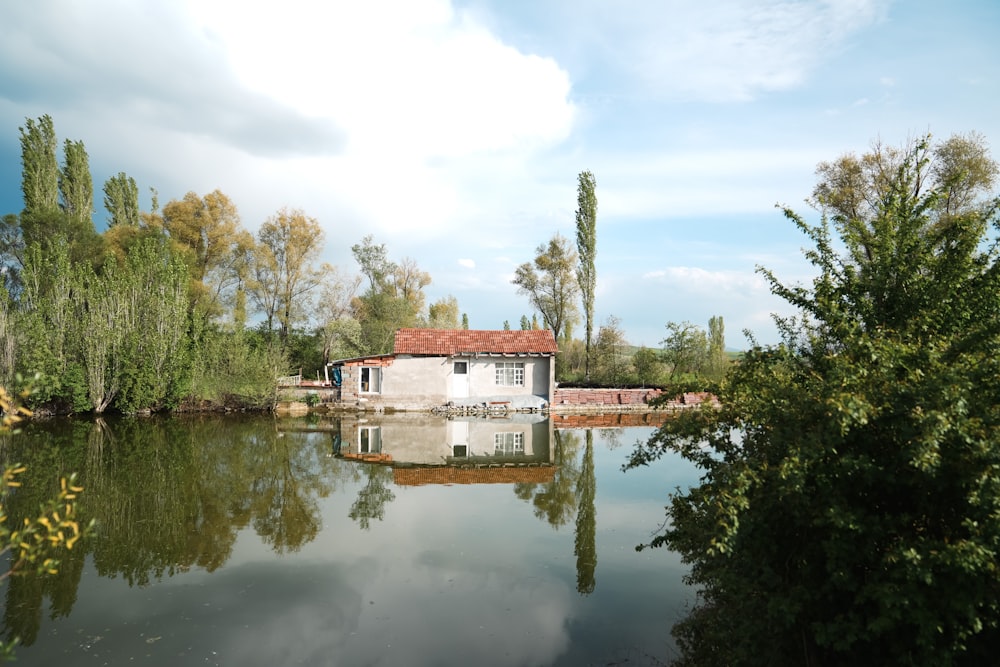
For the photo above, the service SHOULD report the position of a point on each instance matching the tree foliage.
(550, 284)
(586, 247)
(285, 268)
(849, 507)
(121, 200)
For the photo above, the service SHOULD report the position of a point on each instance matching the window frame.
(509, 373)
(365, 386)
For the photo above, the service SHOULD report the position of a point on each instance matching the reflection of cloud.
(486, 607)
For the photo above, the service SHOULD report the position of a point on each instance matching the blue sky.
(453, 130)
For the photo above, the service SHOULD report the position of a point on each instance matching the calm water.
(256, 541)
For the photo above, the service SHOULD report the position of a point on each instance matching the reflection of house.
(517, 440)
(434, 367)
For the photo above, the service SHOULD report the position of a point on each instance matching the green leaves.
(849, 508)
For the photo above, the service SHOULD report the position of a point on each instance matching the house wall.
(418, 383)
(483, 377)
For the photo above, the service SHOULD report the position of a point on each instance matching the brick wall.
(632, 399)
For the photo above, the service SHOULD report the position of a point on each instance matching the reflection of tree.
(555, 501)
(52, 458)
(372, 498)
(285, 511)
(585, 544)
(613, 437)
(167, 494)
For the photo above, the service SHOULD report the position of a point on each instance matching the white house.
(435, 367)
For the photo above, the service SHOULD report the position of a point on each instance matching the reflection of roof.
(491, 475)
(610, 419)
(470, 341)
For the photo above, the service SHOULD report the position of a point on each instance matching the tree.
(610, 364)
(718, 360)
(550, 284)
(394, 297)
(121, 200)
(336, 296)
(849, 508)
(285, 270)
(43, 184)
(525, 323)
(586, 247)
(685, 350)
(76, 187)
(647, 366)
(39, 166)
(443, 313)
(217, 247)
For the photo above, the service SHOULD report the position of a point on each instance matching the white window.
(370, 439)
(508, 444)
(510, 373)
(371, 380)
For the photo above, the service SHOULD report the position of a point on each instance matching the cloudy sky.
(453, 130)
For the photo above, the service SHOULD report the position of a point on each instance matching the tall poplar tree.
(39, 166)
(586, 248)
(76, 187)
(121, 199)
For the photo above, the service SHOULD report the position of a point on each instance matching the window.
(460, 451)
(370, 439)
(461, 368)
(371, 380)
(510, 373)
(508, 444)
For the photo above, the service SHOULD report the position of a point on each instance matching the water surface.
(378, 541)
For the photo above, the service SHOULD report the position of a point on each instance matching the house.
(430, 368)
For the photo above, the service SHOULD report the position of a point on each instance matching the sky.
(453, 131)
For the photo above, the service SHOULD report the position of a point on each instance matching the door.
(460, 379)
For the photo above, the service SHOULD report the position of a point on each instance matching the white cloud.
(729, 51)
(467, 263)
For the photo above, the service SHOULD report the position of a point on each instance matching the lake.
(359, 540)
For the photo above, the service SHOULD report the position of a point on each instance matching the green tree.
(525, 323)
(76, 186)
(43, 184)
(586, 247)
(443, 313)
(465, 321)
(685, 350)
(849, 509)
(121, 200)
(610, 360)
(550, 284)
(39, 166)
(647, 366)
(718, 360)
(394, 297)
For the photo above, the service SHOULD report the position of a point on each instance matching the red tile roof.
(471, 341)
